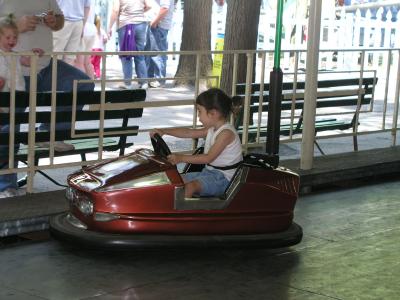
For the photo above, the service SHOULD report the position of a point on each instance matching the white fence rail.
(341, 30)
(387, 96)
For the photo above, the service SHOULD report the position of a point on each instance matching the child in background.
(222, 150)
(8, 40)
(98, 46)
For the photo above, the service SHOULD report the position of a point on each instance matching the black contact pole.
(275, 95)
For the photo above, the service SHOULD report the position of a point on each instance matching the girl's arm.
(182, 132)
(224, 138)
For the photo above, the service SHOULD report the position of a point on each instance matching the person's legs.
(192, 188)
(160, 61)
(83, 62)
(66, 74)
(140, 61)
(205, 183)
(148, 47)
(164, 47)
(7, 181)
(126, 62)
(96, 61)
(61, 38)
(74, 41)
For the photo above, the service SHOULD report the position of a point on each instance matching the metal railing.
(255, 59)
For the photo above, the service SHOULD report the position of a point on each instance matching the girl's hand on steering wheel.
(174, 159)
(152, 132)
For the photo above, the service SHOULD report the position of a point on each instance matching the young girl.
(98, 46)
(8, 40)
(222, 150)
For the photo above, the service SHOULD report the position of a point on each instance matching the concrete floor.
(349, 251)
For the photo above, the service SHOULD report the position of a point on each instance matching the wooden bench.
(333, 93)
(87, 122)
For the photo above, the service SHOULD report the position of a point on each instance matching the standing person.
(99, 45)
(222, 150)
(83, 62)
(8, 40)
(131, 28)
(68, 39)
(36, 21)
(159, 27)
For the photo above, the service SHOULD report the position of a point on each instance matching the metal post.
(32, 123)
(396, 103)
(53, 108)
(310, 96)
(275, 95)
(196, 93)
(246, 104)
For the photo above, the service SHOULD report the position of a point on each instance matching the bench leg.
(319, 147)
(355, 141)
(83, 156)
(24, 180)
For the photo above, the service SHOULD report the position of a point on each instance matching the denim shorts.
(213, 182)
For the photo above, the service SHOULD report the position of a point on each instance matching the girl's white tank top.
(231, 155)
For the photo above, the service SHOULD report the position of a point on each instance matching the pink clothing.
(96, 61)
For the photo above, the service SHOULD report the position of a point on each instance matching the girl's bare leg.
(191, 188)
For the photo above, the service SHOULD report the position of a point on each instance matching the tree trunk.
(196, 35)
(240, 34)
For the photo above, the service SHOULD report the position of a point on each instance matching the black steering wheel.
(160, 147)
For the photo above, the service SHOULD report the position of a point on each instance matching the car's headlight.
(146, 181)
(85, 206)
(69, 193)
(79, 200)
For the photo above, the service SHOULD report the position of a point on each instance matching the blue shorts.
(213, 182)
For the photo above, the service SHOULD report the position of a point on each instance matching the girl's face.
(8, 39)
(207, 118)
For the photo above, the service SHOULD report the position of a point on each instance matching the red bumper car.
(138, 201)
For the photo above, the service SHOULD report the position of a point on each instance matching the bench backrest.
(300, 85)
(87, 120)
(330, 93)
(338, 92)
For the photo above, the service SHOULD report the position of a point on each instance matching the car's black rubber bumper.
(62, 229)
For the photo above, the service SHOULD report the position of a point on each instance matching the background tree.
(241, 32)
(196, 35)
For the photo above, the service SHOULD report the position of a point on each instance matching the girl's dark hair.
(8, 22)
(217, 99)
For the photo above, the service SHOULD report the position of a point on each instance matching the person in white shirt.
(37, 20)
(222, 151)
(69, 38)
(10, 76)
(8, 40)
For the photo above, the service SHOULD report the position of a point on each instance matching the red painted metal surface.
(264, 203)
